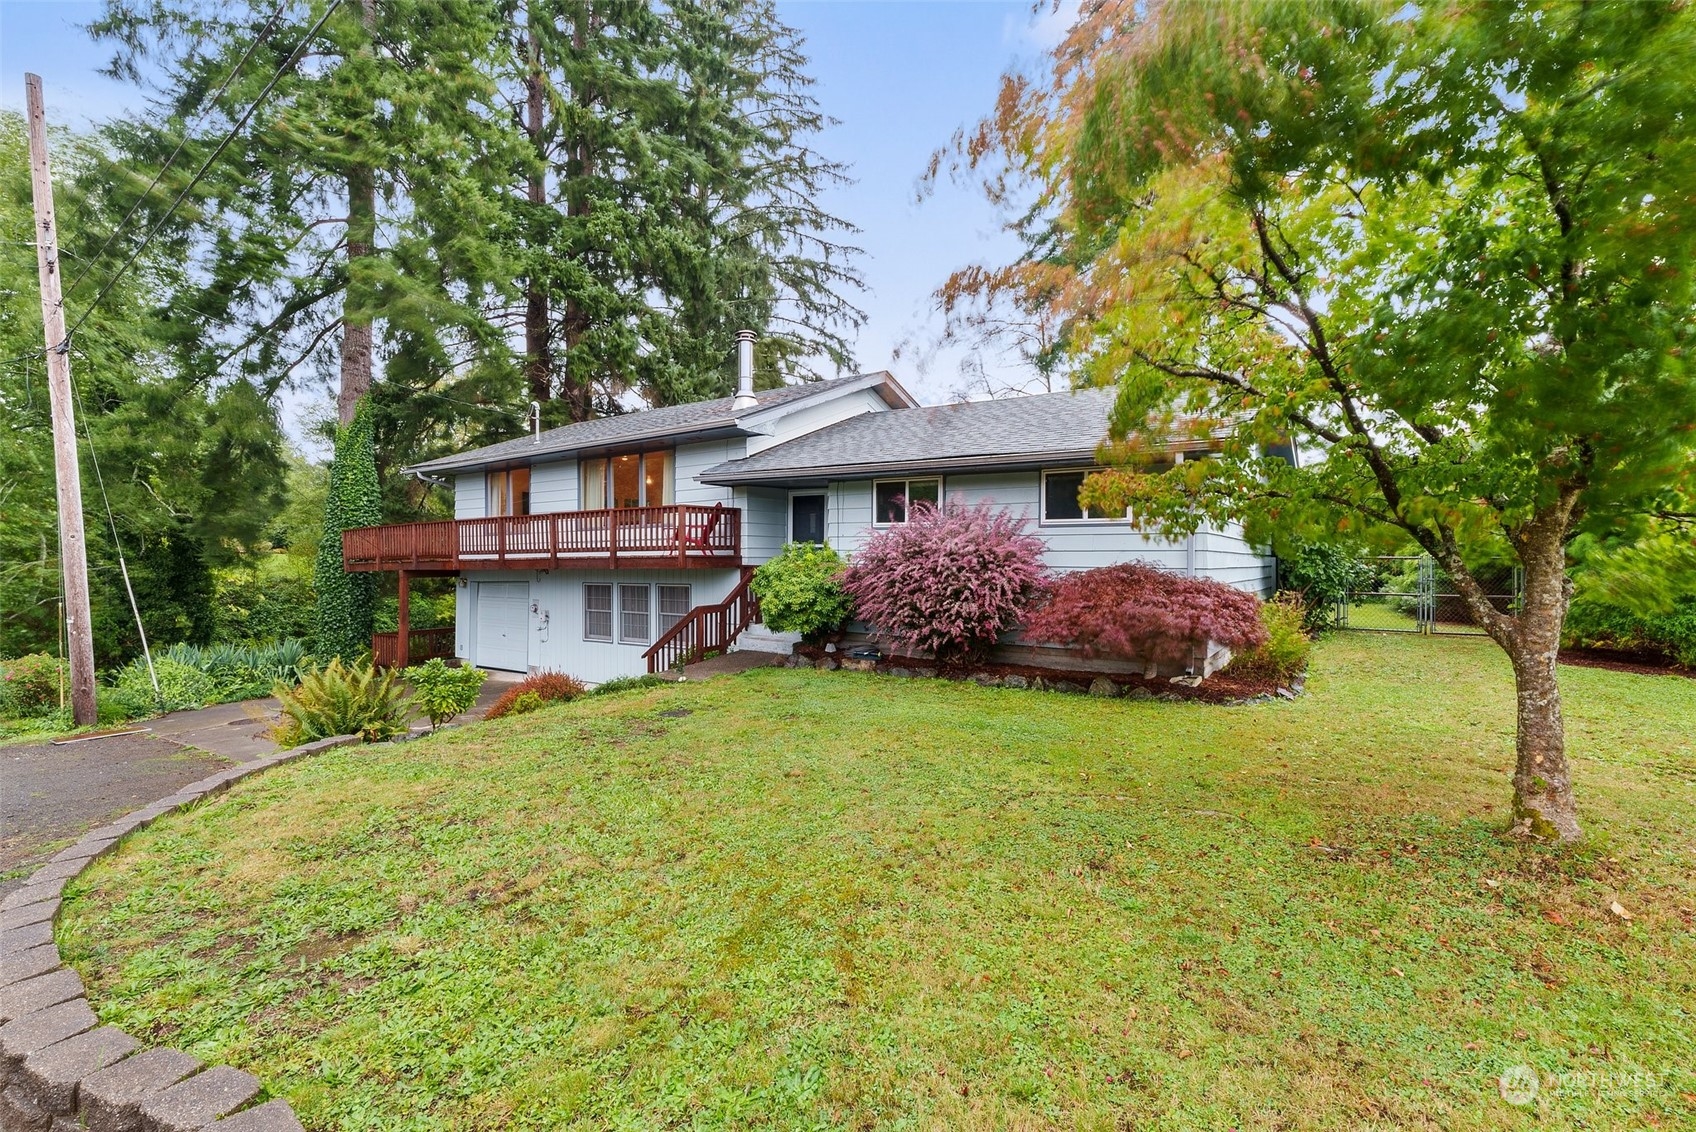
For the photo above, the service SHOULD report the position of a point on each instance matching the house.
(615, 546)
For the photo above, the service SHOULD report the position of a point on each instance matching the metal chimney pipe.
(744, 371)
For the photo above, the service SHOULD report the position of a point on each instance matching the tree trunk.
(577, 388)
(356, 318)
(538, 334)
(1543, 805)
(357, 351)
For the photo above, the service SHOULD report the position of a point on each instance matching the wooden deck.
(655, 538)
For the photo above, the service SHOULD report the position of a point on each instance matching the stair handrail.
(739, 609)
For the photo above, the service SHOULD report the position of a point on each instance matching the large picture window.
(635, 479)
(635, 623)
(597, 612)
(894, 500)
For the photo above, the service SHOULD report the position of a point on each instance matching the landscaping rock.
(1286, 693)
(39, 993)
(28, 964)
(827, 664)
(29, 914)
(1187, 681)
(111, 1099)
(25, 936)
(899, 671)
(23, 1036)
(199, 1100)
(860, 664)
(925, 672)
(1138, 692)
(1065, 686)
(1015, 681)
(19, 1113)
(987, 680)
(1102, 686)
(53, 1074)
(85, 850)
(272, 1116)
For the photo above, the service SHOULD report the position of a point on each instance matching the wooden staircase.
(706, 628)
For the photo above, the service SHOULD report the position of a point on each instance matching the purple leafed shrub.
(946, 582)
(1135, 612)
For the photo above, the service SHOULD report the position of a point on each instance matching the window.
(1060, 496)
(634, 479)
(509, 492)
(634, 625)
(891, 499)
(806, 518)
(674, 605)
(597, 612)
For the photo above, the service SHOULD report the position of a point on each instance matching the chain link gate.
(1409, 593)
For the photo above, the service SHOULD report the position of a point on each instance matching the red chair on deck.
(700, 541)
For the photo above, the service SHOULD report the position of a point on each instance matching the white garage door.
(503, 626)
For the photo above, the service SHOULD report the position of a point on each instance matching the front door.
(806, 518)
(503, 626)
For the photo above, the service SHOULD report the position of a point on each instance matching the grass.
(802, 900)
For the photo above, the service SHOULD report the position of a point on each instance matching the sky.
(900, 76)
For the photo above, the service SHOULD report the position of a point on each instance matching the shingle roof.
(1047, 429)
(699, 419)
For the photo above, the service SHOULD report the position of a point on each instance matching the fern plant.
(340, 699)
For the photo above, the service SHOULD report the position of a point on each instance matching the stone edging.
(60, 1070)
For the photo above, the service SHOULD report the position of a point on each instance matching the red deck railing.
(706, 627)
(422, 645)
(673, 537)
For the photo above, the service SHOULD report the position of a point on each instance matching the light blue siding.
(765, 522)
(810, 416)
(470, 496)
(692, 460)
(1070, 546)
(554, 487)
(556, 626)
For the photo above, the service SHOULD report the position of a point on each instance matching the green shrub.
(270, 601)
(228, 672)
(627, 684)
(1595, 624)
(444, 692)
(343, 700)
(1284, 655)
(1323, 576)
(524, 703)
(182, 686)
(800, 591)
(546, 687)
(29, 685)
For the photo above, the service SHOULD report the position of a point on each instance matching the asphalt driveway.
(50, 795)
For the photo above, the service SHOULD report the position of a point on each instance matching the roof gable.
(698, 420)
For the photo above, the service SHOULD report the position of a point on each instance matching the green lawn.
(808, 900)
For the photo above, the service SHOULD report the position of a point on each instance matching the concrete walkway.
(727, 664)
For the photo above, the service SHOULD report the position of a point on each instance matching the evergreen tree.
(192, 475)
(350, 203)
(347, 601)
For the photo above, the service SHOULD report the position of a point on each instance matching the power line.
(241, 124)
(264, 33)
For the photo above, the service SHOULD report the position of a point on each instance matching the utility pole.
(73, 548)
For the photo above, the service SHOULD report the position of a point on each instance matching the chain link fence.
(1410, 593)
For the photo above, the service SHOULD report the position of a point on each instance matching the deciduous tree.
(1447, 248)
